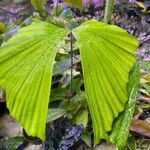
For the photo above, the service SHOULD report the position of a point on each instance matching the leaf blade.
(55, 113)
(103, 65)
(26, 65)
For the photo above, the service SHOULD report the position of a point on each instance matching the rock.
(2, 95)
(105, 146)
(9, 127)
(33, 147)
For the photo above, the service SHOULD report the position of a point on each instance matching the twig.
(71, 55)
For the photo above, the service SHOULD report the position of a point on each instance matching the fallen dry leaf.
(141, 127)
(144, 99)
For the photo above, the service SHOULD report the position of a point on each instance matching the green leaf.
(39, 4)
(55, 113)
(76, 3)
(86, 137)
(82, 118)
(11, 143)
(131, 144)
(61, 66)
(26, 65)
(107, 55)
(67, 14)
(2, 26)
(120, 130)
(145, 65)
(58, 94)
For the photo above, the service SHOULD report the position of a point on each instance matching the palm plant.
(107, 56)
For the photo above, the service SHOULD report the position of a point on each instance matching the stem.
(71, 56)
(108, 10)
(57, 7)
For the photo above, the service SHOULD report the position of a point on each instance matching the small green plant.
(107, 56)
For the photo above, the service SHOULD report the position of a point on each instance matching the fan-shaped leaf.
(26, 63)
(107, 55)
